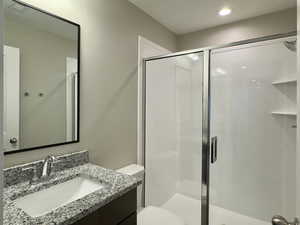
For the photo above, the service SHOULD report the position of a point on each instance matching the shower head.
(291, 45)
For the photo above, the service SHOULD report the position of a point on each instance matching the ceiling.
(184, 16)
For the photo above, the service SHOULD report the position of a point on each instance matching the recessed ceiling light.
(224, 11)
(244, 67)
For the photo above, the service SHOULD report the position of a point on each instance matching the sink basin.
(47, 200)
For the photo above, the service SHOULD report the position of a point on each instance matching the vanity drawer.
(121, 211)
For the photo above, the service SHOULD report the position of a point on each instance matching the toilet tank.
(138, 172)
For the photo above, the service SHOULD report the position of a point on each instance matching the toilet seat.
(157, 216)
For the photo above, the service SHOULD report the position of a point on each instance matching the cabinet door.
(114, 213)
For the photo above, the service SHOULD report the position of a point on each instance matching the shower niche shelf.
(289, 90)
(288, 81)
(282, 113)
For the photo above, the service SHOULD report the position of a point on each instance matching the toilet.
(151, 215)
(138, 172)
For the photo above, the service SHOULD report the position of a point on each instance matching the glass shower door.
(173, 135)
(253, 115)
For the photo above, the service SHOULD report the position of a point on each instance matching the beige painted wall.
(43, 69)
(298, 117)
(110, 30)
(274, 23)
(1, 109)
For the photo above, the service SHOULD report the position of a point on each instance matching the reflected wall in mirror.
(41, 79)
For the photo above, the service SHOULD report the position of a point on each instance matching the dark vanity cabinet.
(121, 211)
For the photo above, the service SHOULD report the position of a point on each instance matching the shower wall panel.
(173, 128)
(253, 115)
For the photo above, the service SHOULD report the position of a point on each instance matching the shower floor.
(185, 207)
(189, 210)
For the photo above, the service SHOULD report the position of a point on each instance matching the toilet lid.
(157, 216)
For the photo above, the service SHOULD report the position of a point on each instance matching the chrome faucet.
(280, 220)
(47, 166)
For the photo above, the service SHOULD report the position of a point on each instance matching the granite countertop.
(117, 185)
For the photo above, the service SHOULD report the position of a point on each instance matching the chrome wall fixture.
(206, 101)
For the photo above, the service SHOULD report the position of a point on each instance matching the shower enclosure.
(220, 128)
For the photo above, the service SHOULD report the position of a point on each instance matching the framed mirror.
(41, 79)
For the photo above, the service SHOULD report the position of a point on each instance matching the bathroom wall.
(48, 78)
(274, 23)
(298, 118)
(108, 125)
(1, 107)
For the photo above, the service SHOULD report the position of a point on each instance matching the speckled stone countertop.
(116, 185)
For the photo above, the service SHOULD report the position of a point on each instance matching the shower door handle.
(214, 149)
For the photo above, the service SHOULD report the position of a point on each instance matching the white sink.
(47, 200)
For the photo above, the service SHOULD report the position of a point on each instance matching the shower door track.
(206, 101)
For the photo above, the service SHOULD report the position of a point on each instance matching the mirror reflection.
(40, 79)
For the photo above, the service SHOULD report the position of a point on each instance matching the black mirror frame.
(78, 83)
